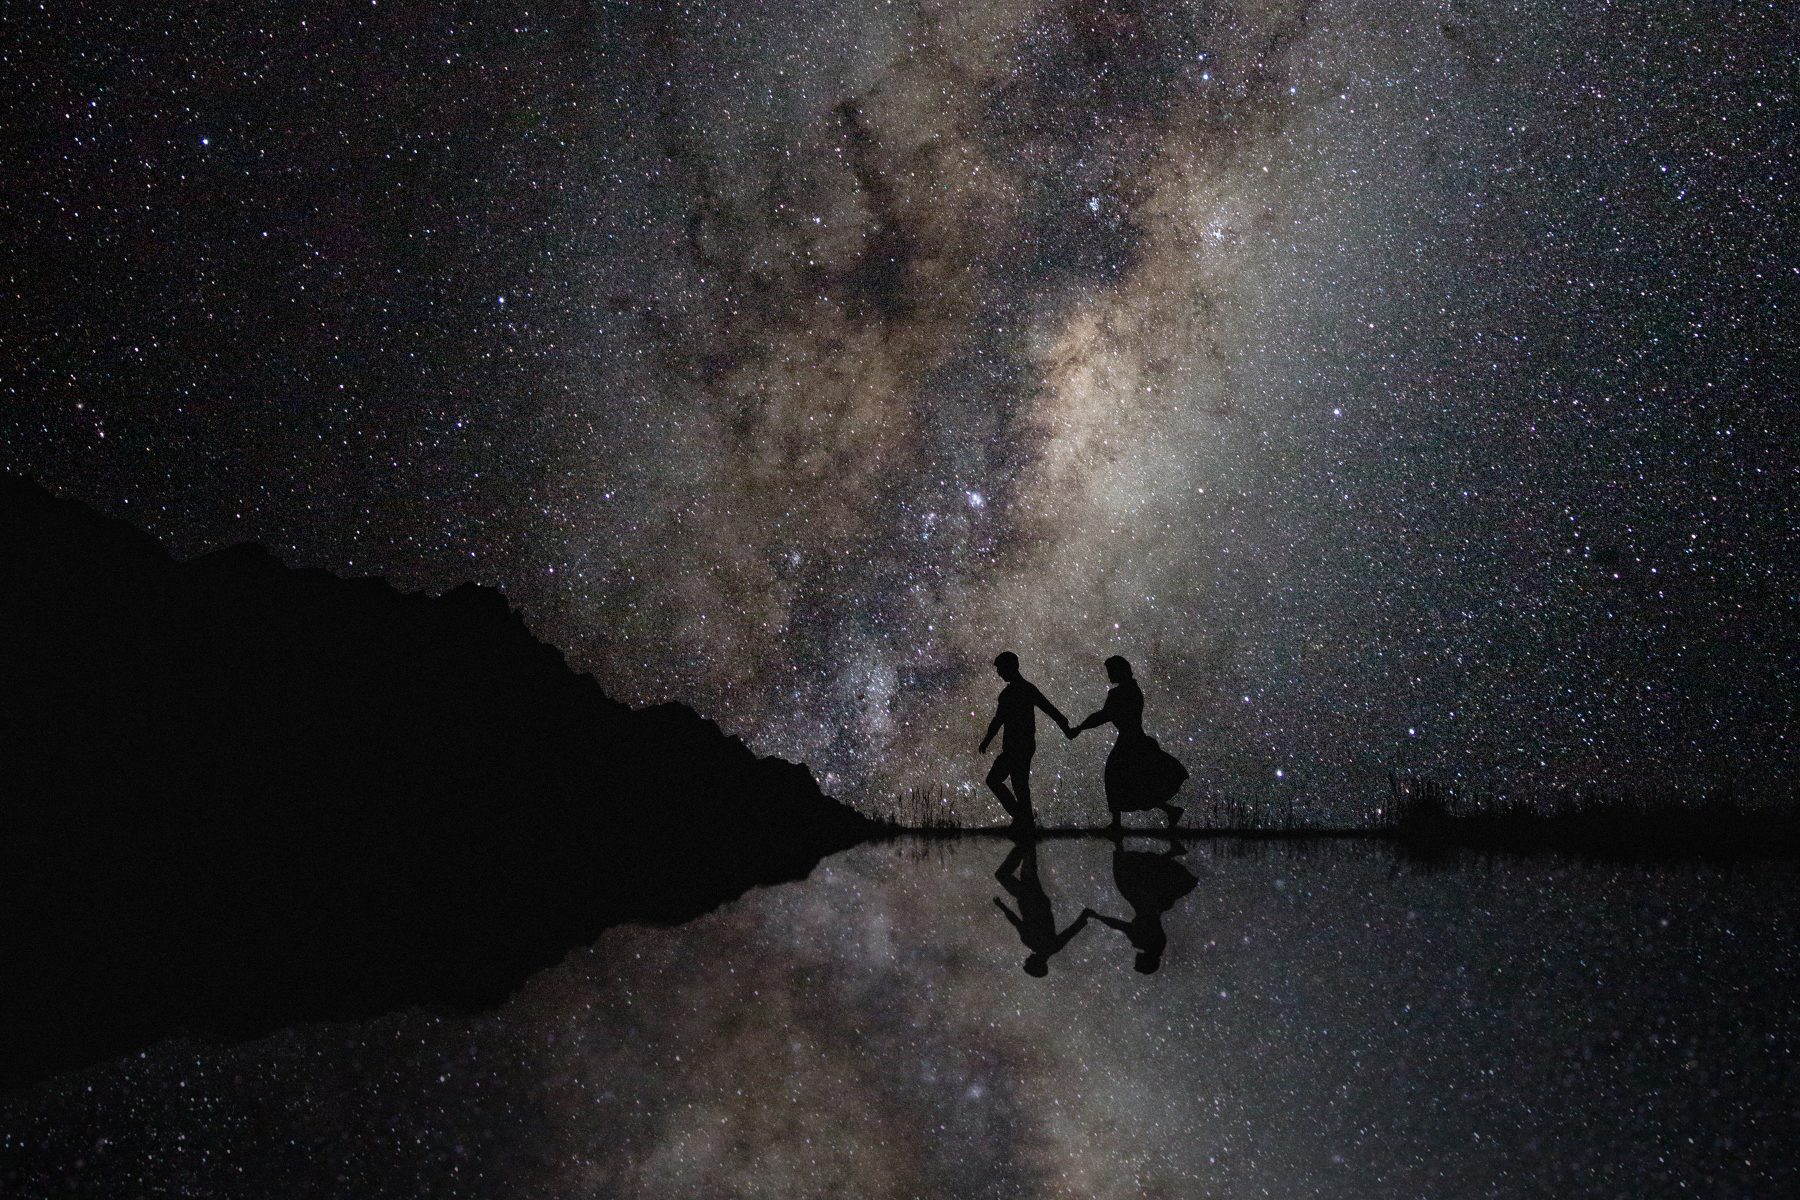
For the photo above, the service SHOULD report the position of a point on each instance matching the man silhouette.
(1016, 714)
(1035, 920)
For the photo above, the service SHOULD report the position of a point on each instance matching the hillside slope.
(235, 795)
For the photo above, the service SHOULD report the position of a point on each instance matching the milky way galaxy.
(1399, 385)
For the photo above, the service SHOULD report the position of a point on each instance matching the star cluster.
(1399, 385)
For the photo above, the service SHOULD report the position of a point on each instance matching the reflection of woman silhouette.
(1139, 773)
(1151, 884)
(1035, 920)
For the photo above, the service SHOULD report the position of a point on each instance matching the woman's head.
(1118, 669)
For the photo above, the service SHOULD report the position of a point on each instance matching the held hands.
(1069, 731)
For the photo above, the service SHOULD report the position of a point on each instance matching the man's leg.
(1021, 781)
(1008, 874)
(996, 781)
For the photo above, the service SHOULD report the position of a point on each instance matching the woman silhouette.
(1139, 773)
(1151, 884)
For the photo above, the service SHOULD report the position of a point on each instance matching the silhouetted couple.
(1139, 774)
(1149, 883)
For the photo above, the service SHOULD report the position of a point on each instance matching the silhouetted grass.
(939, 811)
(1240, 814)
(930, 810)
(1427, 813)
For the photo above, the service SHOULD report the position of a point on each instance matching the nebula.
(925, 332)
(1401, 386)
(940, 361)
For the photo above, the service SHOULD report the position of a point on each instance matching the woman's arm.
(1093, 721)
(1121, 926)
(1102, 716)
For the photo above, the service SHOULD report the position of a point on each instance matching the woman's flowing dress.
(1139, 773)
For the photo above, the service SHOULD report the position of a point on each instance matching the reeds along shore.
(1425, 812)
(940, 810)
(1712, 820)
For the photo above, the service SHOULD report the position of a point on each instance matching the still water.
(1324, 1021)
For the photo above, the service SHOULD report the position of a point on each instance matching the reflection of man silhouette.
(1016, 713)
(1151, 884)
(1035, 921)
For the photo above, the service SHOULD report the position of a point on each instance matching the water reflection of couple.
(1150, 884)
(1139, 774)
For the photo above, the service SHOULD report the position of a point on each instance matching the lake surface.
(1325, 1020)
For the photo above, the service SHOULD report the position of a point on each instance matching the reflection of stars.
(869, 1032)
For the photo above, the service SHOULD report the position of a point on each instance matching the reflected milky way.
(1398, 384)
(1324, 1023)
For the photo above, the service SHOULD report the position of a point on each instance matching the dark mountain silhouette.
(235, 795)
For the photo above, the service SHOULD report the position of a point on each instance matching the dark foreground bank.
(235, 796)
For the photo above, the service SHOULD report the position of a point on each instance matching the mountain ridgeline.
(235, 795)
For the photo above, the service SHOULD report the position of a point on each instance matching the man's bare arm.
(993, 728)
(1017, 922)
(1062, 722)
(1075, 927)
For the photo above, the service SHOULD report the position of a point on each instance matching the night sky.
(1398, 385)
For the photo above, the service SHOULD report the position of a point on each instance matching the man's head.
(1147, 962)
(1006, 664)
(1037, 965)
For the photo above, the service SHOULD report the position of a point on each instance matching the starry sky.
(1400, 385)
